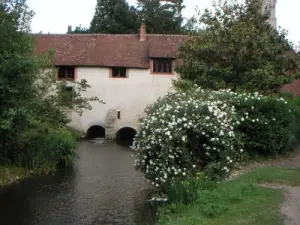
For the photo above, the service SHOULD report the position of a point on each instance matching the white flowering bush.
(185, 132)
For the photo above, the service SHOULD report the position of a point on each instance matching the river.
(102, 188)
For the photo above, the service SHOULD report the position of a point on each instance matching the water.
(102, 188)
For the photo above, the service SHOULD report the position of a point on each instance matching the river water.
(102, 188)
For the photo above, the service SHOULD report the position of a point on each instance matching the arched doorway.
(96, 132)
(125, 136)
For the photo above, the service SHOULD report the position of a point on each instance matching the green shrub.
(43, 152)
(187, 190)
(184, 133)
(275, 128)
(211, 131)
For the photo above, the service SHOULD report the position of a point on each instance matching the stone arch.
(95, 131)
(125, 136)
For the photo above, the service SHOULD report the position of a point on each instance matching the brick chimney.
(143, 33)
(69, 29)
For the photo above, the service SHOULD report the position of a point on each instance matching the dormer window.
(66, 72)
(161, 65)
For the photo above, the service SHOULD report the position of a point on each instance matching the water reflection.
(101, 189)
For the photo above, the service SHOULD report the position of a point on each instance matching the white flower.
(241, 150)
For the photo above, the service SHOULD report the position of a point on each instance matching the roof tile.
(108, 49)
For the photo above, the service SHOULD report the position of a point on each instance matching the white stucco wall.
(129, 95)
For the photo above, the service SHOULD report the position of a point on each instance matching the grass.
(238, 202)
(273, 175)
(10, 174)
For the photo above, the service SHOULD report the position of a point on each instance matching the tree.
(79, 30)
(161, 18)
(114, 17)
(239, 50)
(33, 106)
(191, 27)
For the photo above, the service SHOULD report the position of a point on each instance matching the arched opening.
(125, 136)
(96, 132)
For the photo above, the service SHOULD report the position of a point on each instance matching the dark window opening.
(66, 72)
(119, 72)
(162, 66)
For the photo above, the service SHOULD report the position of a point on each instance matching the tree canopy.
(33, 106)
(239, 50)
(114, 17)
(118, 17)
(161, 18)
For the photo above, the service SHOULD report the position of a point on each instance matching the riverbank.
(258, 197)
(11, 174)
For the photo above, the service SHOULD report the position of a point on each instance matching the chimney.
(69, 29)
(143, 33)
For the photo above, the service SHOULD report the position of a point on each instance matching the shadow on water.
(102, 188)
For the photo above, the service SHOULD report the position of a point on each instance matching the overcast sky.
(54, 16)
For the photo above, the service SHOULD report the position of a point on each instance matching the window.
(118, 72)
(162, 66)
(66, 72)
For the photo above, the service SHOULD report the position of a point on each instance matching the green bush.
(43, 152)
(275, 129)
(211, 131)
(187, 190)
(184, 133)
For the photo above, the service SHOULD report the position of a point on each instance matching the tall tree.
(239, 50)
(30, 98)
(161, 17)
(114, 17)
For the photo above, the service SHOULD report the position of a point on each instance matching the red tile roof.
(108, 49)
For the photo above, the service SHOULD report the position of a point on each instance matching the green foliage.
(33, 106)
(240, 201)
(79, 30)
(187, 190)
(117, 17)
(275, 130)
(239, 50)
(114, 17)
(275, 175)
(212, 131)
(43, 152)
(161, 18)
(10, 173)
(184, 132)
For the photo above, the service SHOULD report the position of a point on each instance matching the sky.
(54, 16)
